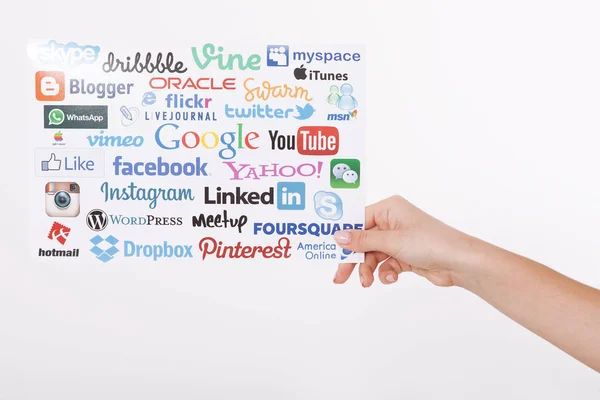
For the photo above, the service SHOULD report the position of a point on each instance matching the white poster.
(195, 152)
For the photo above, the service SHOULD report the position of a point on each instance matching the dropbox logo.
(104, 251)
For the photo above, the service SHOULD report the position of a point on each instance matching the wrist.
(467, 265)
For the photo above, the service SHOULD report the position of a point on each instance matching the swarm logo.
(97, 220)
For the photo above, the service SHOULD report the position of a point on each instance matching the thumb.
(362, 241)
(52, 157)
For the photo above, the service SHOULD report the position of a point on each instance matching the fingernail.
(342, 237)
(362, 280)
(390, 278)
(335, 276)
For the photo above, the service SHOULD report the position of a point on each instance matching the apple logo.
(300, 73)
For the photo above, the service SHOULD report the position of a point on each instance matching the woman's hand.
(405, 239)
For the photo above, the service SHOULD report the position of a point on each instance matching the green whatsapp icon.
(56, 117)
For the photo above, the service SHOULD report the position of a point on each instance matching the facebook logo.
(291, 195)
(278, 56)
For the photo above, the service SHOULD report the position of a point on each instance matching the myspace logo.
(67, 55)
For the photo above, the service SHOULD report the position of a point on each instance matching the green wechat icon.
(345, 173)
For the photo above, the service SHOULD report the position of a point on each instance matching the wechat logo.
(56, 117)
(345, 173)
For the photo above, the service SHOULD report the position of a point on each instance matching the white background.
(486, 114)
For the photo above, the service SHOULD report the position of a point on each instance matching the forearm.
(563, 311)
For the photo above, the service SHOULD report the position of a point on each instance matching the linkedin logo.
(97, 220)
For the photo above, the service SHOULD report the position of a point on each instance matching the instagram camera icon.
(62, 199)
(50, 86)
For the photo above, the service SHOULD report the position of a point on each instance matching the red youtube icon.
(318, 140)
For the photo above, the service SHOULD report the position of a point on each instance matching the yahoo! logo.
(249, 171)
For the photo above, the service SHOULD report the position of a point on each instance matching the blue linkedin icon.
(291, 195)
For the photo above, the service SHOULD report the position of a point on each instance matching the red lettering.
(251, 136)
(192, 83)
(209, 246)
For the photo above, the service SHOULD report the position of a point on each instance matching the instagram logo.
(62, 199)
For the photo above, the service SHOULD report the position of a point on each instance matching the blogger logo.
(50, 86)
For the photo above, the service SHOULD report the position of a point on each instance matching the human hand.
(403, 238)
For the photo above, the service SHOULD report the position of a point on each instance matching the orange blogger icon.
(50, 86)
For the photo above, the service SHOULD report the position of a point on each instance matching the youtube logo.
(50, 86)
(318, 140)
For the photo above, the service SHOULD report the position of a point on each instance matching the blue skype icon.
(328, 205)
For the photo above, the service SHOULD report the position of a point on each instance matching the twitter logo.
(305, 112)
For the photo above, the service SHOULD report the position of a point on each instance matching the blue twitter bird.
(305, 112)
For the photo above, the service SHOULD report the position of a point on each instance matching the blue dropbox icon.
(305, 112)
(104, 254)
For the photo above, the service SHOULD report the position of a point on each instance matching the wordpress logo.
(291, 195)
(97, 220)
(278, 56)
(328, 205)
(67, 55)
(104, 248)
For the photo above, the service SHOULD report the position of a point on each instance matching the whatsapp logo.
(75, 117)
(56, 117)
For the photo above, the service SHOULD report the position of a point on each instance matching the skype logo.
(328, 205)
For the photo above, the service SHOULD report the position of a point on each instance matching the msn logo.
(343, 116)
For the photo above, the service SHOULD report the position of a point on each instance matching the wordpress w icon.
(50, 86)
(59, 232)
(97, 220)
(291, 196)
